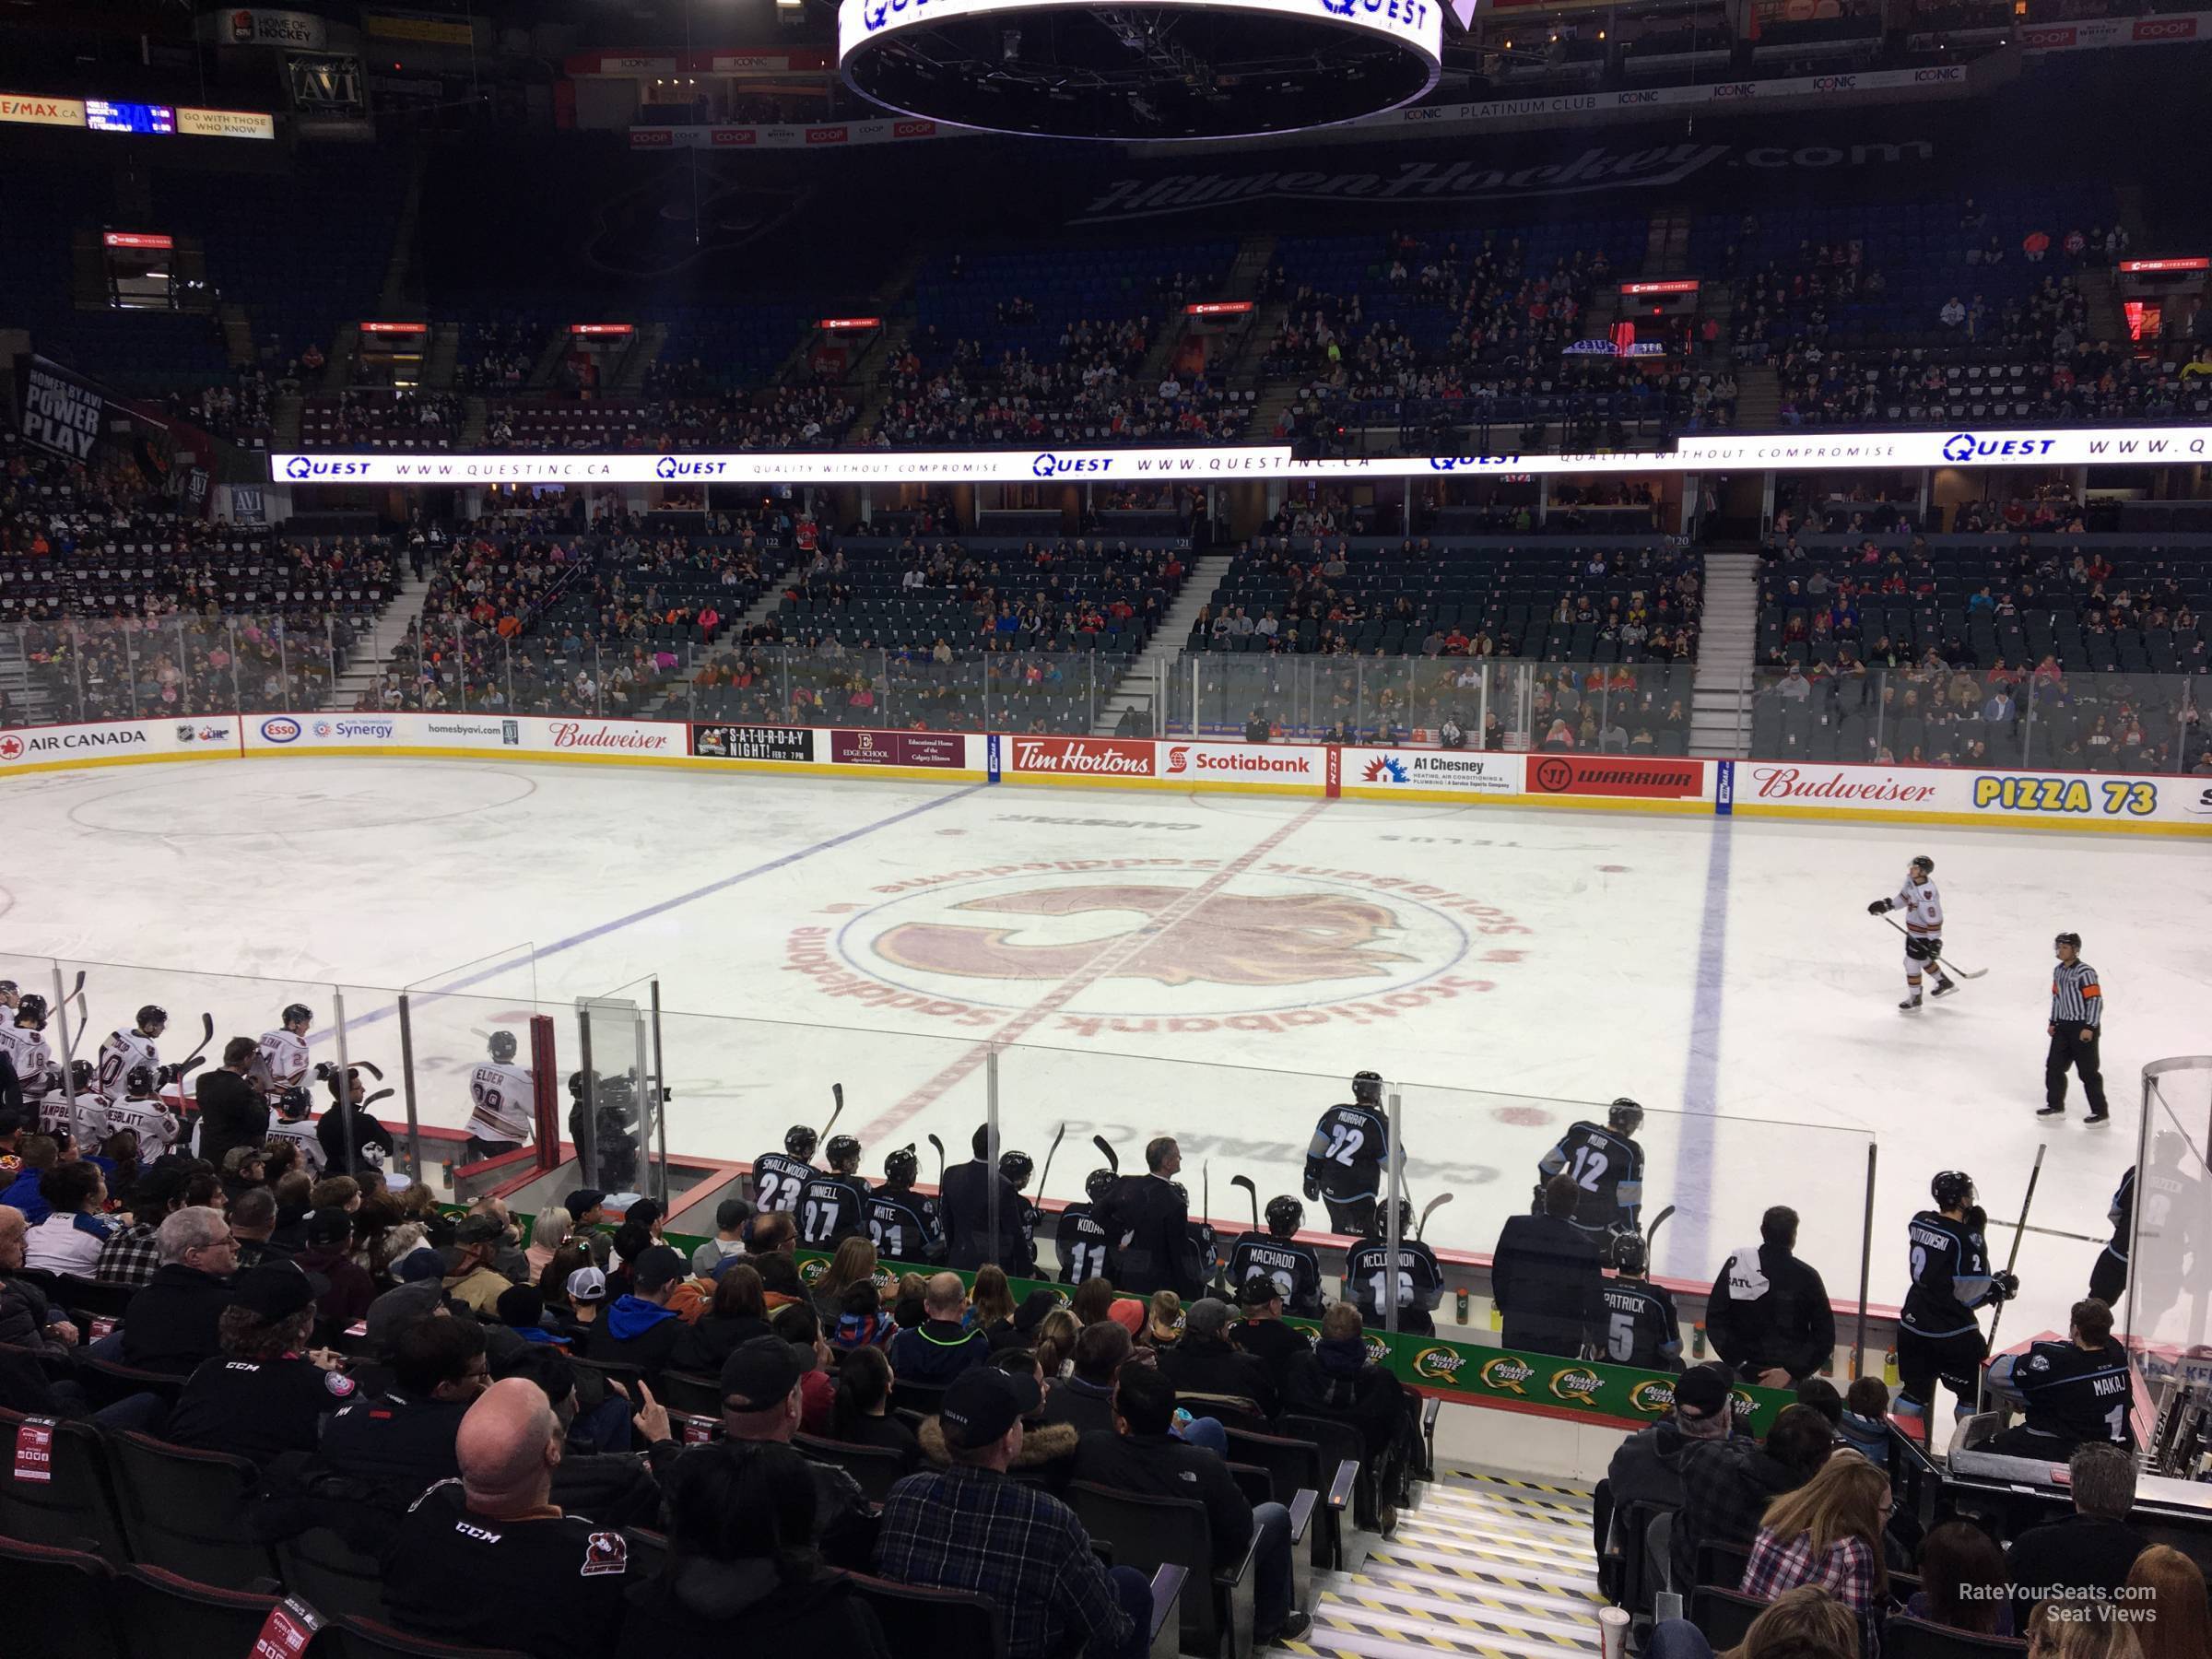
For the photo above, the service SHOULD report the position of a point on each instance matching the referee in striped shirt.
(2076, 1011)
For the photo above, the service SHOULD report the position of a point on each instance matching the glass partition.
(2167, 1310)
(2026, 719)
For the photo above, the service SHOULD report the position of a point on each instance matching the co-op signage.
(2106, 446)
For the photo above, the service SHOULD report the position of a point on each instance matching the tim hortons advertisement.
(1079, 756)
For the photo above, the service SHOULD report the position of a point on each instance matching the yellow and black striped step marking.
(1585, 1493)
(1469, 1605)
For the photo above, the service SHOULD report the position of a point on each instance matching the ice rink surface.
(1213, 966)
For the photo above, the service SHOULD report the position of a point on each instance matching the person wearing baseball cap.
(267, 1391)
(761, 1406)
(1647, 1466)
(641, 1328)
(472, 1280)
(584, 1208)
(970, 1528)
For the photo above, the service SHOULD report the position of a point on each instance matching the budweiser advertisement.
(1961, 795)
(1080, 756)
(1627, 776)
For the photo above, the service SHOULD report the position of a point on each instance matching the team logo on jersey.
(1577, 1382)
(603, 1553)
(1507, 1374)
(1438, 1364)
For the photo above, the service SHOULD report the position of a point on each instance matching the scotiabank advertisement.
(1294, 769)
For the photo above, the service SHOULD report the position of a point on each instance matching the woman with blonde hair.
(2166, 1604)
(1055, 1347)
(2072, 1627)
(1828, 1532)
(548, 1232)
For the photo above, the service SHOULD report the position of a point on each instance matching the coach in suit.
(966, 1203)
(1148, 1228)
(232, 1111)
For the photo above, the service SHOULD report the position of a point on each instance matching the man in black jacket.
(1145, 1458)
(1263, 1333)
(1204, 1363)
(2089, 1554)
(232, 1111)
(385, 1450)
(965, 1202)
(171, 1323)
(1085, 1401)
(1768, 1315)
(1147, 1226)
(1546, 1277)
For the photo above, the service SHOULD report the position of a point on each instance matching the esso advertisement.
(1393, 771)
(29, 749)
(1244, 762)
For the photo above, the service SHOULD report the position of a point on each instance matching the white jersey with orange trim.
(122, 1051)
(300, 1131)
(28, 1052)
(502, 1103)
(283, 1056)
(1923, 906)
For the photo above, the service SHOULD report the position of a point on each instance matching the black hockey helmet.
(293, 1104)
(1098, 1183)
(901, 1167)
(1379, 1226)
(843, 1154)
(1017, 1167)
(503, 1047)
(1285, 1214)
(80, 1077)
(152, 1016)
(578, 1087)
(1367, 1088)
(800, 1141)
(1624, 1115)
(1923, 863)
(31, 1010)
(139, 1082)
(1631, 1256)
(2065, 938)
(1952, 1189)
(298, 1014)
(8, 987)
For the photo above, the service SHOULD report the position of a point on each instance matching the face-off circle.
(1157, 70)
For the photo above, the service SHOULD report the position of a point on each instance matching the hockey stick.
(1045, 1174)
(382, 1094)
(76, 1031)
(1964, 974)
(1106, 1151)
(837, 1093)
(938, 1146)
(207, 1037)
(1250, 1192)
(1434, 1205)
(2019, 1227)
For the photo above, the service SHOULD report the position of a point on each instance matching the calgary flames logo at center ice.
(1224, 938)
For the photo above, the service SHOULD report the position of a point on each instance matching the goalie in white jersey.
(142, 1112)
(280, 1059)
(23, 1040)
(125, 1051)
(1923, 906)
(501, 1102)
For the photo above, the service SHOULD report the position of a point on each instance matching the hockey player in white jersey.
(1923, 906)
(294, 1120)
(141, 1111)
(280, 1060)
(124, 1050)
(500, 1097)
(23, 1040)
